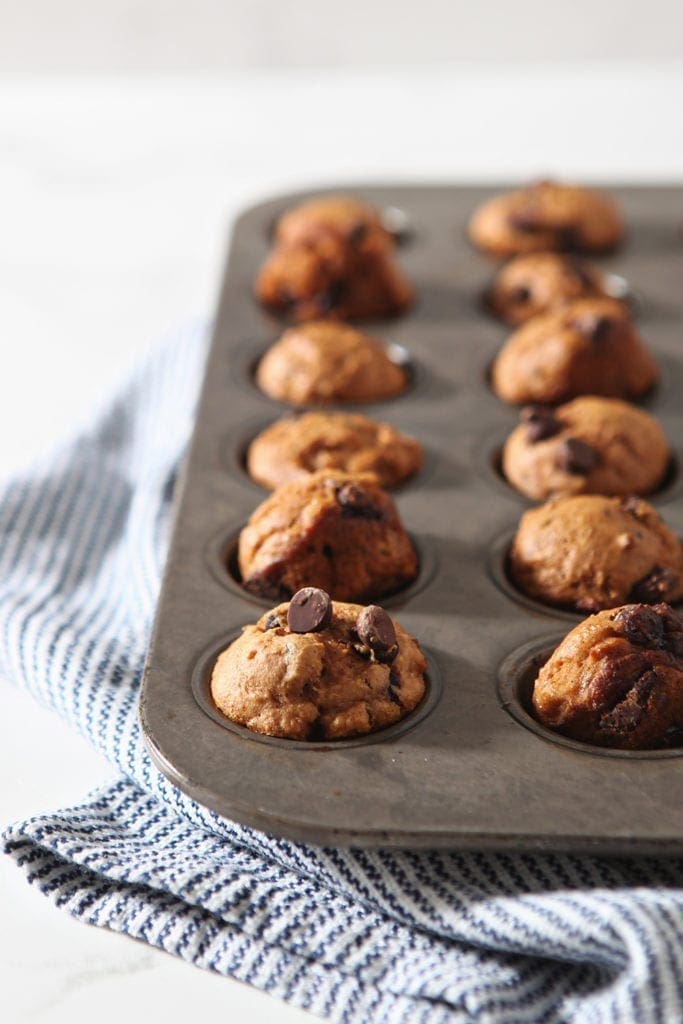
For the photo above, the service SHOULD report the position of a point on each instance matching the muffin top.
(333, 530)
(547, 215)
(320, 363)
(590, 552)
(345, 217)
(616, 680)
(295, 446)
(590, 445)
(317, 669)
(537, 282)
(588, 347)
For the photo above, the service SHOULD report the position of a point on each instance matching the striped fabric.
(351, 936)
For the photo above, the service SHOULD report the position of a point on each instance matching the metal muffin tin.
(470, 768)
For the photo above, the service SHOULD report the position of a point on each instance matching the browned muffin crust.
(320, 363)
(591, 552)
(587, 446)
(296, 446)
(546, 216)
(616, 680)
(588, 347)
(332, 259)
(538, 282)
(331, 530)
(320, 685)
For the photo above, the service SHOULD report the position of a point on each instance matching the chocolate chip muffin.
(546, 216)
(315, 669)
(588, 347)
(333, 530)
(320, 363)
(616, 680)
(538, 282)
(332, 258)
(296, 446)
(587, 446)
(590, 552)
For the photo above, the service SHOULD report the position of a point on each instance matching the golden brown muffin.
(332, 258)
(590, 552)
(616, 680)
(319, 363)
(337, 531)
(588, 347)
(332, 680)
(588, 446)
(295, 446)
(538, 282)
(546, 216)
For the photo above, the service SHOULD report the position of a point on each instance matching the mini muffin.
(588, 347)
(332, 258)
(590, 552)
(337, 531)
(316, 669)
(296, 446)
(588, 446)
(538, 282)
(546, 216)
(320, 363)
(616, 680)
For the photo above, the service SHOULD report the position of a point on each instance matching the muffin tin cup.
(470, 768)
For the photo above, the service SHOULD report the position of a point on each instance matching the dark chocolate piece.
(376, 630)
(310, 610)
(355, 502)
(652, 587)
(272, 622)
(577, 457)
(641, 624)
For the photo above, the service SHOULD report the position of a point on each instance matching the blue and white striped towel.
(352, 936)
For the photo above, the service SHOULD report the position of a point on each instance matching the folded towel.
(352, 936)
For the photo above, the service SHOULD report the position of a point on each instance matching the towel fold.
(353, 936)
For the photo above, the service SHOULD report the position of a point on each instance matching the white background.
(130, 134)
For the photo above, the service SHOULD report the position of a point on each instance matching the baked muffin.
(590, 552)
(616, 680)
(587, 446)
(546, 216)
(332, 258)
(315, 669)
(588, 347)
(538, 282)
(337, 531)
(319, 363)
(295, 446)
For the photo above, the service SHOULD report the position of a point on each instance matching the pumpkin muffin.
(540, 281)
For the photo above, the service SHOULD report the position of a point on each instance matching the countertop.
(116, 198)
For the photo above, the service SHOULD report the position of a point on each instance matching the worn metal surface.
(474, 771)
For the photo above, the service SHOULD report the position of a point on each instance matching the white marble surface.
(115, 198)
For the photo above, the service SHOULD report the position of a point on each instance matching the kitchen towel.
(353, 936)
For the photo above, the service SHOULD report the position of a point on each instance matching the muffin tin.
(470, 767)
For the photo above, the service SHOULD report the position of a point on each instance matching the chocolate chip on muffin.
(296, 446)
(588, 446)
(546, 216)
(588, 347)
(330, 530)
(591, 552)
(333, 259)
(320, 363)
(616, 680)
(539, 282)
(314, 683)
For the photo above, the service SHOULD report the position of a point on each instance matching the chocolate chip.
(330, 298)
(266, 586)
(641, 625)
(272, 622)
(542, 426)
(528, 222)
(652, 587)
(358, 233)
(310, 610)
(521, 294)
(577, 457)
(393, 685)
(357, 503)
(376, 629)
